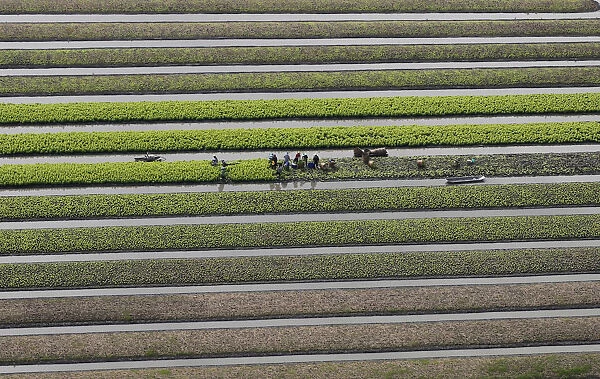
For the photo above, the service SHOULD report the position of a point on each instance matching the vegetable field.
(328, 249)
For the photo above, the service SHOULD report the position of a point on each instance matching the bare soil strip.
(225, 306)
(558, 365)
(297, 340)
(544, 364)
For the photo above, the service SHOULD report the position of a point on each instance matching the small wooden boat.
(149, 158)
(465, 179)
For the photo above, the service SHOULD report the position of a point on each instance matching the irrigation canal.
(161, 70)
(299, 286)
(270, 17)
(294, 95)
(249, 42)
(282, 359)
(231, 156)
(297, 322)
(282, 186)
(313, 358)
(300, 217)
(306, 251)
(307, 123)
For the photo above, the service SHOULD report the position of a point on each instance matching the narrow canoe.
(465, 179)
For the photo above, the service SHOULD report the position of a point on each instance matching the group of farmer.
(300, 161)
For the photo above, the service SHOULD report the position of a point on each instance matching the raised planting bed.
(103, 31)
(298, 138)
(449, 166)
(298, 234)
(343, 200)
(122, 57)
(410, 106)
(298, 268)
(305, 303)
(577, 76)
(131, 173)
(84, 347)
(296, 6)
(257, 170)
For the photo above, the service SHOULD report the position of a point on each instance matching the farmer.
(305, 159)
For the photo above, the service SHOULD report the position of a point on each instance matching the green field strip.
(410, 106)
(304, 303)
(300, 81)
(123, 57)
(326, 137)
(168, 272)
(131, 173)
(305, 201)
(257, 170)
(100, 31)
(296, 6)
(298, 234)
(226, 342)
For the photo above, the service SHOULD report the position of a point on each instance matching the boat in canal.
(465, 179)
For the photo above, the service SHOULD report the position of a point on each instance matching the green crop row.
(256, 170)
(298, 138)
(296, 6)
(344, 200)
(295, 29)
(290, 234)
(300, 81)
(122, 57)
(130, 173)
(298, 268)
(298, 108)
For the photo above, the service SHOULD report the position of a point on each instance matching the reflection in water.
(227, 187)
